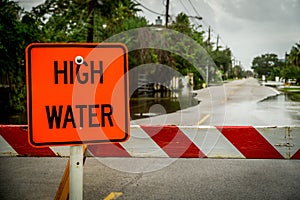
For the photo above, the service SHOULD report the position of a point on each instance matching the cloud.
(248, 27)
(262, 11)
(256, 27)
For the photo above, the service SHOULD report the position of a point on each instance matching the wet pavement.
(240, 102)
(163, 102)
(39, 178)
(280, 109)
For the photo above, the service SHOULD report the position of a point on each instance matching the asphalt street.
(234, 103)
(38, 178)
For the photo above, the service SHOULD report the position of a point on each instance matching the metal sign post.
(73, 95)
(76, 172)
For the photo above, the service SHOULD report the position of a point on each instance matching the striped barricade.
(175, 142)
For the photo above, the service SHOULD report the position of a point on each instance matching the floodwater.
(159, 103)
(282, 109)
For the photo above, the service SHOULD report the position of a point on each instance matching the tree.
(182, 24)
(188, 55)
(291, 72)
(52, 21)
(63, 20)
(294, 55)
(292, 68)
(264, 64)
(17, 30)
(76, 20)
(222, 59)
(238, 71)
(247, 73)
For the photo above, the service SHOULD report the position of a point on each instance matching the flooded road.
(240, 102)
(281, 109)
(160, 103)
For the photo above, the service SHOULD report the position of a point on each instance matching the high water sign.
(77, 93)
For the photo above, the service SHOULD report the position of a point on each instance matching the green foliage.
(15, 35)
(276, 71)
(222, 59)
(63, 20)
(271, 66)
(264, 64)
(182, 24)
(76, 20)
(293, 58)
(291, 72)
(237, 71)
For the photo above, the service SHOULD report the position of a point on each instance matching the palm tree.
(294, 56)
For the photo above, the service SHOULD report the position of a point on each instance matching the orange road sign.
(77, 93)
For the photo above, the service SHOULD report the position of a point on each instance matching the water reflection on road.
(280, 108)
(240, 109)
(159, 103)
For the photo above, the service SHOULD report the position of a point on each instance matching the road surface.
(38, 178)
(234, 103)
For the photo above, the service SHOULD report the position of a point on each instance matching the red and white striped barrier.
(174, 142)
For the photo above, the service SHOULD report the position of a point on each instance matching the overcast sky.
(249, 27)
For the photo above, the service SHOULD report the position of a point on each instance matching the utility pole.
(90, 34)
(218, 42)
(208, 39)
(285, 58)
(207, 66)
(167, 13)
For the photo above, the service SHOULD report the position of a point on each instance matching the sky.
(249, 28)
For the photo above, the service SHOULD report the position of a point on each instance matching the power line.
(149, 9)
(203, 22)
(183, 6)
(212, 31)
(190, 16)
(194, 8)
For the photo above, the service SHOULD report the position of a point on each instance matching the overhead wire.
(183, 6)
(148, 9)
(193, 18)
(196, 22)
(194, 8)
(211, 29)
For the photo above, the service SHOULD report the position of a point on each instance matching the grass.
(295, 96)
(290, 90)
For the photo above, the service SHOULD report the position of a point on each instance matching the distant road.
(233, 103)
